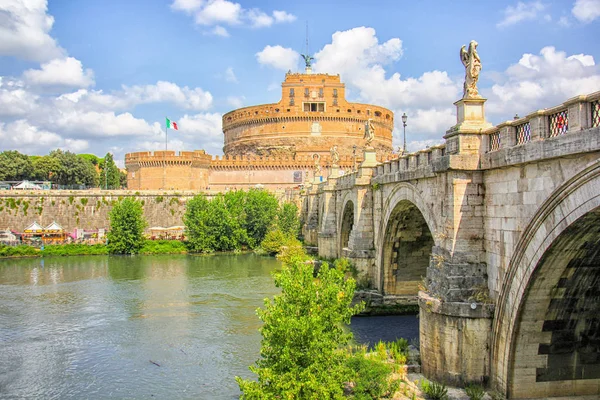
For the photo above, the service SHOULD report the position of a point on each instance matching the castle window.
(291, 102)
(291, 92)
(314, 107)
(368, 112)
(349, 110)
(288, 110)
(321, 92)
(334, 92)
(306, 92)
(378, 113)
(358, 111)
(387, 116)
(335, 103)
(277, 110)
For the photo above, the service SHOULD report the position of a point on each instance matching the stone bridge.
(495, 234)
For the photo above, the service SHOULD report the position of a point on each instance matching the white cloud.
(24, 29)
(278, 57)
(130, 96)
(204, 126)
(15, 101)
(586, 10)
(230, 75)
(22, 136)
(282, 16)
(236, 101)
(186, 5)
(564, 21)
(219, 31)
(544, 80)
(521, 12)
(60, 72)
(224, 12)
(218, 12)
(259, 19)
(360, 59)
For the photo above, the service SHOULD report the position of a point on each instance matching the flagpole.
(165, 158)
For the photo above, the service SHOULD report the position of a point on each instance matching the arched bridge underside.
(498, 243)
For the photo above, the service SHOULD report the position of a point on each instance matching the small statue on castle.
(335, 156)
(369, 133)
(307, 59)
(317, 168)
(472, 63)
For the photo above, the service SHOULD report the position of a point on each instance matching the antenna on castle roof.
(307, 58)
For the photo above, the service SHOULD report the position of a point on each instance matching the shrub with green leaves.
(475, 392)
(127, 224)
(302, 355)
(434, 390)
(371, 377)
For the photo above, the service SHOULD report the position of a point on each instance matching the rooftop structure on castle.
(311, 117)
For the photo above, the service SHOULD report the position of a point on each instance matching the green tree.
(45, 168)
(261, 212)
(301, 353)
(74, 170)
(122, 179)
(15, 166)
(211, 226)
(127, 224)
(288, 220)
(110, 176)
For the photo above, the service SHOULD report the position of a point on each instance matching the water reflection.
(96, 326)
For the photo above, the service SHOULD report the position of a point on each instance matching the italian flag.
(172, 124)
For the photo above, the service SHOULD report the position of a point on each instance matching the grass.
(76, 249)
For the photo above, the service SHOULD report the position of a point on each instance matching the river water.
(143, 327)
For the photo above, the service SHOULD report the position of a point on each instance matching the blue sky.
(100, 75)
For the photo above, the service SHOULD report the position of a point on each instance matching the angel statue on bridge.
(335, 156)
(369, 133)
(472, 63)
(317, 168)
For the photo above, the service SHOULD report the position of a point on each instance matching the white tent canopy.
(34, 228)
(54, 227)
(26, 185)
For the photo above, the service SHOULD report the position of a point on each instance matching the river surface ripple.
(176, 327)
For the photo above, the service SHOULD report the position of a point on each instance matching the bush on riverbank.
(78, 249)
(303, 349)
(236, 220)
(163, 247)
(127, 223)
(74, 249)
(18, 251)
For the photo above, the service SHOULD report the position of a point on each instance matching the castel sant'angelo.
(276, 145)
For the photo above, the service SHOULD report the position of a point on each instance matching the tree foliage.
(45, 168)
(15, 166)
(261, 210)
(288, 220)
(231, 221)
(127, 223)
(74, 170)
(211, 226)
(110, 176)
(301, 353)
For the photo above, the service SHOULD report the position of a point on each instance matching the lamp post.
(404, 119)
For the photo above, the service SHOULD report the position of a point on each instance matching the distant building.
(275, 145)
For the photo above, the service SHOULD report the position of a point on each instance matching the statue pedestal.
(334, 172)
(370, 159)
(465, 136)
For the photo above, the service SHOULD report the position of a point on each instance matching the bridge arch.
(405, 241)
(346, 225)
(546, 332)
